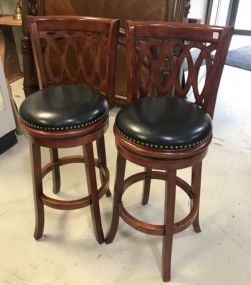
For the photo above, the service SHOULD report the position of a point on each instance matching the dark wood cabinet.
(166, 10)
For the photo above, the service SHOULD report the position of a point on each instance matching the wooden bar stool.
(161, 129)
(75, 61)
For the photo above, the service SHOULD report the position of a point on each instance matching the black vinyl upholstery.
(63, 107)
(164, 122)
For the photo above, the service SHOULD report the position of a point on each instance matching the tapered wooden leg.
(196, 185)
(102, 160)
(37, 189)
(55, 171)
(119, 178)
(168, 225)
(146, 187)
(92, 189)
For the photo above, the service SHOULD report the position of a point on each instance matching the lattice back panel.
(75, 57)
(160, 64)
(75, 50)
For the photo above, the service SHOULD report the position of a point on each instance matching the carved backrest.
(166, 59)
(74, 50)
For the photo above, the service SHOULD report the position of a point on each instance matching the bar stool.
(75, 60)
(160, 129)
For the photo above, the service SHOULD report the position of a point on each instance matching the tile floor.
(68, 253)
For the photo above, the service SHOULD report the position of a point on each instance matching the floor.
(68, 252)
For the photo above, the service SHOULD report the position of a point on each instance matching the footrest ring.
(154, 229)
(76, 203)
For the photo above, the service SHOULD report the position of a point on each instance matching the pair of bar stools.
(75, 60)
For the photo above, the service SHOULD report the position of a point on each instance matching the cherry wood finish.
(158, 53)
(59, 59)
(88, 42)
(171, 10)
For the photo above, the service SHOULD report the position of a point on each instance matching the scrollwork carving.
(74, 58)
(160, 61)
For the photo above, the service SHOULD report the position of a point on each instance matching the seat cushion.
(63, 107)
(164, 123)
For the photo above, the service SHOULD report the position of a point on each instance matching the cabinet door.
(74, 7)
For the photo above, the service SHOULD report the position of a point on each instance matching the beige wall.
(8, 6)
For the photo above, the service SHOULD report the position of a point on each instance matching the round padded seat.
(164, 123)
(63, 107)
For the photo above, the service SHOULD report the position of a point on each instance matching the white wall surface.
(198, 9)
(6, 113)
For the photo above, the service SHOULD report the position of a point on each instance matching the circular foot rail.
(153, 228)
(77, 203)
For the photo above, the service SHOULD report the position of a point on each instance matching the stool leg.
(92, 190)
(102, 160)
(37, 189)
(168, 225)
(196, 185)
(118, 191)
(55, 171)
(146, 186)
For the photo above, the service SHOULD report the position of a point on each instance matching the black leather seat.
(164, 123)
(63, 107)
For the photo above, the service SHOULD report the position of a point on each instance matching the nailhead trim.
(168, 147)
(59, 129)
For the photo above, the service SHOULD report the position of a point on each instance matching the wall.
(8, 6)
(198, 9)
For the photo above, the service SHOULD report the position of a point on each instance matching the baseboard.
(7, 141)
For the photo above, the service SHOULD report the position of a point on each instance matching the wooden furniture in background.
(11, 62)
(167, 10)
(68, 111)
(162, 130)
